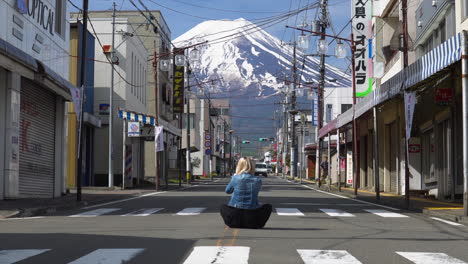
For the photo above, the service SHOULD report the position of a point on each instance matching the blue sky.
(193, 12)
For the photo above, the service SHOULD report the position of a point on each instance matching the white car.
(261, 169)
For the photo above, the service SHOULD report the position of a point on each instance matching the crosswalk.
(224, 255)
(193, 211)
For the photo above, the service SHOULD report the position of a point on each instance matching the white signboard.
(349, 167)
(158, 138)
(133, 129)
(361, 27)
(410, 102)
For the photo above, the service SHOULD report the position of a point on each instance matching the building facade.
(34, 63)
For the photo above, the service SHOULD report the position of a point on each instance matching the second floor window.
(329, 113)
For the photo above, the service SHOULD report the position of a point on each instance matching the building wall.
(129, 96)
(3, 115)
(54, 47)
(41, 43)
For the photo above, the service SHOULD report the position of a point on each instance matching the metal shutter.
(37, 141)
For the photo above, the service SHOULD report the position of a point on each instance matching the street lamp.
(322, 47)
(180, 60)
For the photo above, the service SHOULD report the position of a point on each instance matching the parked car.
(261, 169)
(269, 168)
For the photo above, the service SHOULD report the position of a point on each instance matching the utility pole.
(111, 105)
(285, 135)
(404, 7)
(465, 120)
(293, 113)
(224, 148)
(188, 174)
(79, 166)
(321, 87)
(156, 115)
(230, 151)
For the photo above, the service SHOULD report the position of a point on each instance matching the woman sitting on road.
(243, 210)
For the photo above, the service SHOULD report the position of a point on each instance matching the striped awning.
(137, 117)
(434, 61)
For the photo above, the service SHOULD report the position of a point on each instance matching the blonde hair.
(245, 165)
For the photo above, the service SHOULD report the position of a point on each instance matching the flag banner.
(158, 138)
(410, 102)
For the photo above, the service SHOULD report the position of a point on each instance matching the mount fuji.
(251, 67)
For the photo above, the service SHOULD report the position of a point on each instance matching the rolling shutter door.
(37, 141)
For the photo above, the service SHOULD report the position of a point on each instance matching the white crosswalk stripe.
(336, 212)
(385, 213)
(109, 256)
(289, 211)
(192, 211)
(96, 212)
(15, 255)
(427, 257)
(144, 212)
(314, 256)
(219, 255)
(446, 221)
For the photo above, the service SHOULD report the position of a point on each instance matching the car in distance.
(261, 169)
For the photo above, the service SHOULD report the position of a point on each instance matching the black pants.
(245, 218)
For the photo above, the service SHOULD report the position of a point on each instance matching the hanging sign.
(362, 29)
(410, 102)
(207, 143)
(349, 167)
(133, 129)
(315, 108)
(443, 96)
(178, 84)
(158, 139)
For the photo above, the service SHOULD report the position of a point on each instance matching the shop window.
(60, 17)
(428, 156)
(329, 113)
(345, 107)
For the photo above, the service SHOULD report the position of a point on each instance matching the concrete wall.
(3, 107)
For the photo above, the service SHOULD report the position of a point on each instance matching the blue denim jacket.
(246, 188)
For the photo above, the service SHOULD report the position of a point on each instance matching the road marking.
(144, 212)
(109, 256)
(446, 221)
(336, 212)
(191, 211)
(96, 212)
(310, 256)
(219, 255)
(384, 213)
(327, 204)
(356, 200)
(23, 218)
(427, 257)
(221, 240)
(289, 211)
(15, 255)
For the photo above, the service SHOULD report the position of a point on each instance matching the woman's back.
(245, 189)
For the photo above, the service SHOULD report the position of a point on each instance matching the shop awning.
(149, 120)
(434, 61)
(137, 117)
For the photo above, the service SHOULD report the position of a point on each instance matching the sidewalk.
(433, 208)
(27, 207)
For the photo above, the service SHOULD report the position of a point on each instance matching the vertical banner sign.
(361, 27)
(158, 138)
(178, 84)
(349, 167)
(410, 102)
(315, 108)
(207, 143)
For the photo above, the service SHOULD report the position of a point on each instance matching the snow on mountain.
(249, 58)
(252, 65)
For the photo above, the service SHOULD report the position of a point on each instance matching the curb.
(450, 217)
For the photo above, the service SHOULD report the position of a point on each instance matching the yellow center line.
(234, 236)
(443, 208)
(221, 240)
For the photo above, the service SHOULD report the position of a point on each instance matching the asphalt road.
(306, 226)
